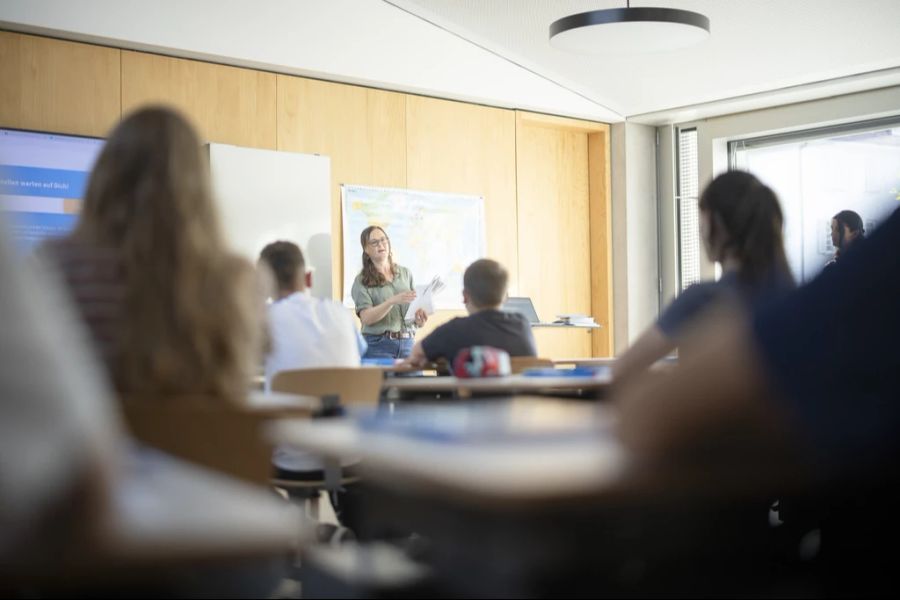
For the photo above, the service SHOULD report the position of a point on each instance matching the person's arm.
(434, 346)
(417, 357)
(650, 347)
(370, 313)
(663, 336)
(715, 409)
(373, 314)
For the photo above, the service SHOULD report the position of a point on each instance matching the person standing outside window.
(846, 228)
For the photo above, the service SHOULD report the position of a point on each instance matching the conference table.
(493, 450)
(535, 496)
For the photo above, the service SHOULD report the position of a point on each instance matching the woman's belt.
(398, 335)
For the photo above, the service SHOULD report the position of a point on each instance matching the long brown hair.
(370, 275)
(752, 220)
(189, 324)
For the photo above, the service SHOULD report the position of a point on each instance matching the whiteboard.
(431, 234)
(264, 196)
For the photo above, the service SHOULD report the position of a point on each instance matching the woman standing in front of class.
(382, 292)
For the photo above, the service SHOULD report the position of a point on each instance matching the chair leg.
(313, 506)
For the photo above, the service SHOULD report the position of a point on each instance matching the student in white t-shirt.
(305, 332)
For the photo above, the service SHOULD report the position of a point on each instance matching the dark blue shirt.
(700, 296)
(833, 349)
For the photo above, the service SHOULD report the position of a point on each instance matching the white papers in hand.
(424, 298)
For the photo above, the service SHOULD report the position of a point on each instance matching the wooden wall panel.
(545, 179)
(227, 104)
(362, 130)
(554, 231)
(52, 85)
(601, 242)
(462, 148)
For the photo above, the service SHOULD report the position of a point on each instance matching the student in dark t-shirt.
(740, 224)
(484, 289)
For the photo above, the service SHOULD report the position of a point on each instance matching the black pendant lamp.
(629, 30)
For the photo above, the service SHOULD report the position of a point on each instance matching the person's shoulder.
(239, 272)
(514, 317)
(703, 290)
(451, 327)
(63, 248)
(237, 265)
(518, 321)
(522, 321)
(778, 283)
(53, 246)
(688, 303)
(498, 315)
(357, 283)
(78, 260)
(53, 252)
(456, 322)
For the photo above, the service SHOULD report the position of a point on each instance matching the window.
(817, 173)
(688, 215)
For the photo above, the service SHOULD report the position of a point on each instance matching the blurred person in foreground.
(171, 310)
(801, 391)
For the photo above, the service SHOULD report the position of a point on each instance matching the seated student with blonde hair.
(74, 489)
(171, 310)
(484, 289)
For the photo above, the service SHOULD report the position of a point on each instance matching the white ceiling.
(496, 52)
(755, 47)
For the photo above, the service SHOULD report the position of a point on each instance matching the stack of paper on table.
(576, 319)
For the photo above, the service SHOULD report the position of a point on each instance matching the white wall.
(635, 232)
(265, 196)
(667, 215)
